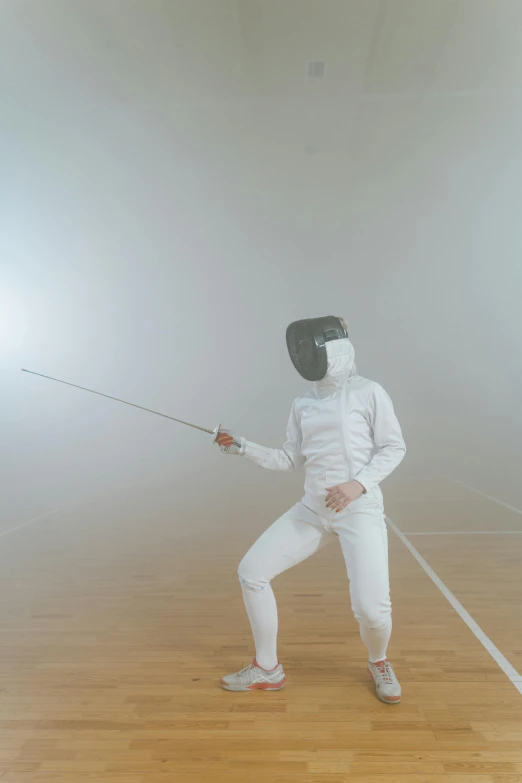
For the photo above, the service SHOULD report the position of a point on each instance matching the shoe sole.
(389, 701)
(259, 686)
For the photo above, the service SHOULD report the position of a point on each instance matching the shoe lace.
(244, 674)
(386, 672)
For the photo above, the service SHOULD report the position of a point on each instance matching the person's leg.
(364, 541)
(289, 541)
(261, 609)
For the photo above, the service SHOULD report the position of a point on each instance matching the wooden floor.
(116, 627)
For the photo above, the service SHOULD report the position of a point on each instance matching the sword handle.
(216, 432)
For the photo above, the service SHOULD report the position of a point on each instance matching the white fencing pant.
(297, 535)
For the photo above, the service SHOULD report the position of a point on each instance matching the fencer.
(345, 433)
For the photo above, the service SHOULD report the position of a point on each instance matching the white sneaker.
(255, 678)
(387, 684)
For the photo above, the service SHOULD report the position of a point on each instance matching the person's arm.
(389, 443)
(287, 458)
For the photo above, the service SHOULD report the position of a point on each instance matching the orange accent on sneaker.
(265, 670)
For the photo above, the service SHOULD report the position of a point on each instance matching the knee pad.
(254, 587)
(373, 617)
(249, 580)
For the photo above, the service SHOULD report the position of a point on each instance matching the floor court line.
(486, 642)
(28, 522)
(485, 495)
(462, 533)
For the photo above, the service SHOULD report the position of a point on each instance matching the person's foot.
(386, 683)
(255, 678)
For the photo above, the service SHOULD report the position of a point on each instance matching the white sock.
(262, 612)
(376, 640)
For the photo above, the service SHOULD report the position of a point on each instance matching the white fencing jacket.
(344, 428)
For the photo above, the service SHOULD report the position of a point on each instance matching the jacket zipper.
(341, 407)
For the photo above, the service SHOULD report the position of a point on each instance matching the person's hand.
(339, 497)
(228, 443)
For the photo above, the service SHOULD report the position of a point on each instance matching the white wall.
(170, 202)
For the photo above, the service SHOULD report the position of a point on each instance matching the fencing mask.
(306, 341)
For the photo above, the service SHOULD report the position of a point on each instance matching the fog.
(176, 189)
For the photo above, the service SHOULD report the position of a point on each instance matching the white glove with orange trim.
(229, 444)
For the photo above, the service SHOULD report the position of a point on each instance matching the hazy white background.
(175, 190)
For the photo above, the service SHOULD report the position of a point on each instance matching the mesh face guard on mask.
(306, 341)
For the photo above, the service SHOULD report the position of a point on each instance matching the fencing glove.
(229, 443)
